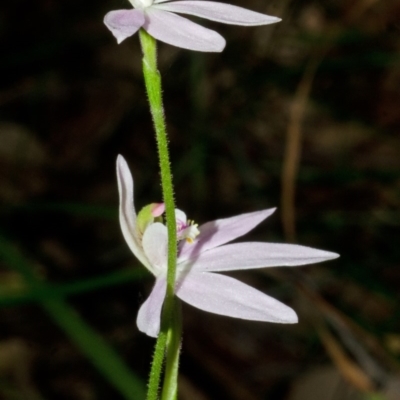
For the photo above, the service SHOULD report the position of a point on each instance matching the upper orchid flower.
(201, 252)
(158, 19)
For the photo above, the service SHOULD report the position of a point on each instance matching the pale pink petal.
(155, 246)
(224, 295)
(181, 32)
(149, 316)
(127, 213)
(219, 12)
(124, 23)
(250, 255)
(221, 231)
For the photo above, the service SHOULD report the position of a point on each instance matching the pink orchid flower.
(203, 251)
(158, 18)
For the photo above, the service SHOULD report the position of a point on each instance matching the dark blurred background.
(303, 115)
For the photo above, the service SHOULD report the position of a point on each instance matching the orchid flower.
(203, 251)
(158, 18)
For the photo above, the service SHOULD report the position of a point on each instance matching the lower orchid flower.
(203, 251)
(158, 18)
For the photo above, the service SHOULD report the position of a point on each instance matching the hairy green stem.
(170, 330)
(170, 387)
(156, 367)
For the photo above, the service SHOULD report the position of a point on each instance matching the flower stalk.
(169, 338)
(170, 387)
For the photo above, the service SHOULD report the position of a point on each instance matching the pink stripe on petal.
(124, 23)
(224, 295)
(178, 31)
(221, 231)
(220, 12)
(149, 316)
(251, 255)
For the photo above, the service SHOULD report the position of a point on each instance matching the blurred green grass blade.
(105, 359)
(31, 294)
(16, 262)
(95, 348)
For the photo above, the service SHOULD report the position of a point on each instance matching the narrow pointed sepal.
(219, 12)
(221, 231)
(127, 213)
(251, 255)
(224, 295)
